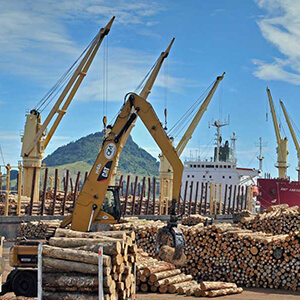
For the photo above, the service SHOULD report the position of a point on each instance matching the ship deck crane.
(293, 134)
(35, 139)
(282, 144)
(165, 170)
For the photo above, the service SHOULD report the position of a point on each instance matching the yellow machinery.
(165, 169)
(282, 144)
(144, 94)
(98, 201)
(293, 136)
(35, 139)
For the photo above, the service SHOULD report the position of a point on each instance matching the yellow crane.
(282, 144)
(293, 136)
(165, 169)
(35, 139)
(144, 94)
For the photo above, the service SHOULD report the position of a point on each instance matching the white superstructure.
(221, 169)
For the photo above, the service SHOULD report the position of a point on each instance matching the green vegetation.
(81, 154)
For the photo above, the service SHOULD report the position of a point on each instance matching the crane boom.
(165, 169)
(293, 134)
(282, 149)
(88, 207)
(189, 132)
(35, 140)
(77, 78)
(144, 94)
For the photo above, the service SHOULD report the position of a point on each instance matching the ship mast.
(218, 139)
(260, 157)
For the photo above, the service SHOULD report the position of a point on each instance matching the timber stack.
(159, 276)
(225, 252)
(195, 219)
(38, 229)
(70, 265)
(277, 219)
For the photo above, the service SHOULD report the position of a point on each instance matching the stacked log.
(277, 219)
(195, 219)
(225, 252)
(159, 276)
(70, 265)
(38, 229)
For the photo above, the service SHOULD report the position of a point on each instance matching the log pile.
(137, 202)
(195, 219)
(70, 265)
(159, 276)
(13, 204)
(38, 229)
(225, 252)
(277, 219)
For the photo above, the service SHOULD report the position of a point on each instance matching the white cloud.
(34, 36)
(281, 27)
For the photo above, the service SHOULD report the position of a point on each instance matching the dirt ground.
(248, 294)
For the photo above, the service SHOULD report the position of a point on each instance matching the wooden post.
(134, 194)
(229, 199)
(32, 191)
(58, 183)
(85, 176)
(76, 188)
(225, 200)
(20, 167)
(44, 192)
(148, 196)
(196, 198)
(55, 191)
(245, 197)
(121, 185)
(139, 189)
(142, 195)
(201, 198)
(211, 198)
(51, 183)
(220, 198)
(242, 197)
(66, 193)
(215, 198)
(154, 194)
(126, 195)
(234, 198)
(7, 189)
(238, 198)
(191, 194)
(250, 199)
(184, 198)
(71, 184)
(206, 193)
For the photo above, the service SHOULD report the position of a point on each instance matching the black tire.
(24, 283)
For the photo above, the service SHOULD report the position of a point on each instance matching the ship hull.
(278, 191)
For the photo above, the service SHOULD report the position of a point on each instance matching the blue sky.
(257, 44)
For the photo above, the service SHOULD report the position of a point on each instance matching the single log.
(54, 264)
(163, 274)
(183, 289)
(68, 296)
(222, 292)
(113, 244)
(162, 266)
(70, 282)
(174, 279)
(210, 285)
(166, 253)
(75, 255)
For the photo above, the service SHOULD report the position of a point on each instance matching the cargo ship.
(221, 168)
(281, 190)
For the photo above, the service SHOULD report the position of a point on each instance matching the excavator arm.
(88, 208)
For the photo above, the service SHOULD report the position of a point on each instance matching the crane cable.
(54, 90)
(189, 114)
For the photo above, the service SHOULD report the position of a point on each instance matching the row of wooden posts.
(141, 197)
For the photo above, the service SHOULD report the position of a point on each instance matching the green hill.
(82, 153)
